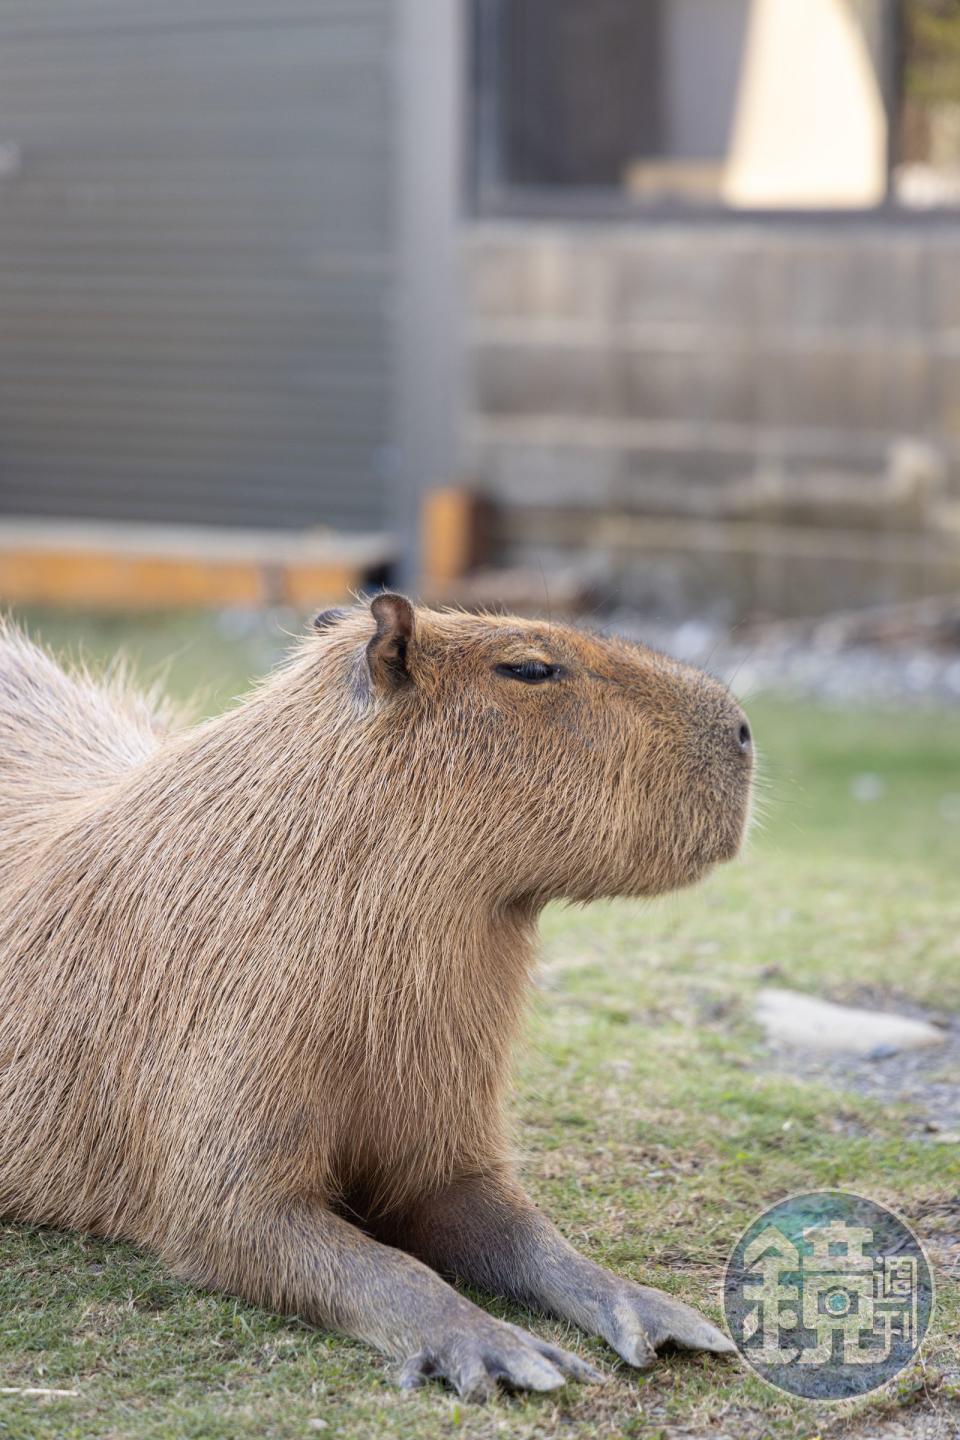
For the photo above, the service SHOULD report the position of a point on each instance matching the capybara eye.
(531, 672)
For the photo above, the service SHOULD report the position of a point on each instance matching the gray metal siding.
(197, 259)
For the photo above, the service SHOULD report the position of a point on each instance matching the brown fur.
(267, 971)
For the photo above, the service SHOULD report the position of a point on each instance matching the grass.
(652, 1126)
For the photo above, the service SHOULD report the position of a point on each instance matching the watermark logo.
(828, 1295)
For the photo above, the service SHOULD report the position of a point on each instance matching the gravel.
(806, 665)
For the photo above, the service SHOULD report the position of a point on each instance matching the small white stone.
(867, 787)
(815, 1024)
(950, 807)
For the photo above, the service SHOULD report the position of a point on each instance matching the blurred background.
(642, 311)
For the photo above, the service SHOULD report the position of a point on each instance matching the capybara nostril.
(744, 738)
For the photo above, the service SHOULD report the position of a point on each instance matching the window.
(718, 104)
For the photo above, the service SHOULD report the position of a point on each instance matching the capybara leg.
(485, 1231)
(313, 1264)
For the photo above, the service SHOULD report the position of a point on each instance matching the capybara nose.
(744, 740)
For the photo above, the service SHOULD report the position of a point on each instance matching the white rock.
(867, 788)
(819, 1025)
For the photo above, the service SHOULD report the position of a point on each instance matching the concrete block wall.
(636, 392)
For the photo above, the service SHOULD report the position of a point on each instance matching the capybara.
(260, 978)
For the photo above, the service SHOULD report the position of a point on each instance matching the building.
(676, 284)
(719, 361)
(222, 227)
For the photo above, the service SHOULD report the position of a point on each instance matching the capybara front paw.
(643, 1321)
(474, 1361)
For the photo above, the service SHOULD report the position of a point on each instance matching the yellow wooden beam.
(144, 567)
(453, 522)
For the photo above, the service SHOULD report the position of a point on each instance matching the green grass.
(651, 1125)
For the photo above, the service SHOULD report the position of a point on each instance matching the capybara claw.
(572, 1366)
(495, 1353)
(645, 1321)
(415, 1371)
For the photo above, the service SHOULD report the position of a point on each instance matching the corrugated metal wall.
(197, 259)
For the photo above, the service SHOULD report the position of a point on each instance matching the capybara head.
(545, 760)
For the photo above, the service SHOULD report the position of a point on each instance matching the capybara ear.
(327, 618)
(388, 651)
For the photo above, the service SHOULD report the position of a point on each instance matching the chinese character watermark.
(828, 1295)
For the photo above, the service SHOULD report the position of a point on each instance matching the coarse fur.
(268, 970)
